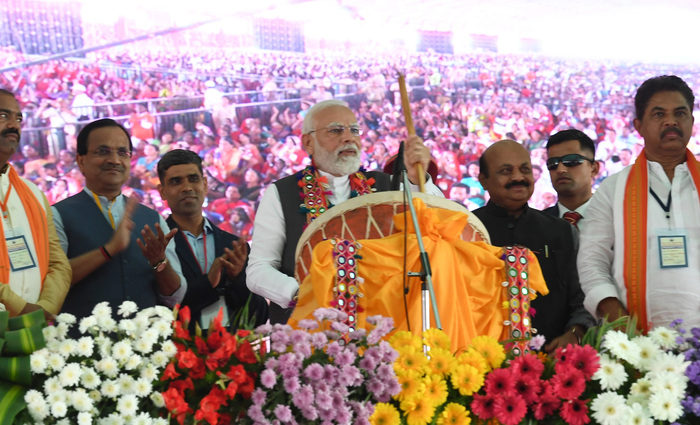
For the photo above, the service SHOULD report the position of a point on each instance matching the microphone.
(399, 166)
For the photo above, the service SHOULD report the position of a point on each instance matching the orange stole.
(37, 222)
(635, 236)
(467, 277)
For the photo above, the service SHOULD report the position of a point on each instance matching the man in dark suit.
(572, 166)
(213, 261)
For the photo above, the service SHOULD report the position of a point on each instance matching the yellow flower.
(411, 384)
(405, 339)
(442, 362)
(418, 411)
(435, 389)
(385, 414)
(437, 338)
(467, 379)
(473, 358)
(410, 358)
(490, 349)
(454, 414)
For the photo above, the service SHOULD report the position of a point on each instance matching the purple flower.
(343, 415)
(325, 314)
(352, 375)
(304, 398)
(308, 324)
(268, 378)
(309, 413)
(368, 363)
(340, 327)
(283, 413)
(255, 413)
(330, 374)
(323, 400)
(292, 385)
(536, 342)
(385, 372)
(326, 416)
(357, 334)
(259, 396)
(302, 348)
(389, 353)
(375, 386)
(344, 358)
(319, 340)
(333, 349)
(314, 372)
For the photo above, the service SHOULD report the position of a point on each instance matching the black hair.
(178, 157)
(585, 142)
(101, 123)
(660, 84)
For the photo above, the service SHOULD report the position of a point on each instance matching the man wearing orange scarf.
(34, 271)
(640, 251)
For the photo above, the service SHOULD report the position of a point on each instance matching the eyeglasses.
(104, 151)
(571, 160)
(338, 130)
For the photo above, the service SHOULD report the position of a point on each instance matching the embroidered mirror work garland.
(518, 298)
(314, 189)
(346, 291)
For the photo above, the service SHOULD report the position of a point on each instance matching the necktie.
(572, 217)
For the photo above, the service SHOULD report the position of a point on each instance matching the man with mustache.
(572, 168)
(506, 173)
(96, 228)
(640, 251)
(331, 135)
(34, 271)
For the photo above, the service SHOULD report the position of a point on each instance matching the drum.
(371, 217)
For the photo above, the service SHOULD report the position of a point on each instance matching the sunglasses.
(571, 160)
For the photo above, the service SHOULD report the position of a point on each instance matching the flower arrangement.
(210, 379)
(690, 347)
(106, 374)
(324, 372)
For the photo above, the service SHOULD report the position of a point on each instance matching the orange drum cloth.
(467, 278)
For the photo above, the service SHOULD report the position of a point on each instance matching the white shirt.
(262, 275)
(116, 208)
(27, 282)
(672, 293)
(581, 210)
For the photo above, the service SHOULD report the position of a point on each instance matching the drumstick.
(406, 106)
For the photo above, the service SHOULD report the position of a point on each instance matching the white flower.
(165, 329)
(110, 389)
(128, 404)
(638, 415)
(128, 326)
(157, 399)
(640, 391)
(52, 385)
(39, 411)
(87, 323)
(90, 379)
(66, 318)
(95, 396)
(127, 308)
(665, 406)
(56, 362)
(169, 348)
(59, 409)
(70, 375)
(80, 400)
(610, 374)
(107, 366)
(149, 372)
(142, 419)
(143, 387)
(143, 345)
(106, 323)
(141, 323)
(665, 337)
(669, 362)
(126, 384)
(104, 345)
(133, 362)
(84, 418)
(609, 408)
(66, 348)
(61, 331)
(57, 396)
(49, 333)
(38, 362)
(160, 359)
(122, 350)
(621, 347)
(63, 421)
(671, 381)
(102, 309)
(164, 313)
(648, 350)
(33, 396)
(160, 421)
(85, 346)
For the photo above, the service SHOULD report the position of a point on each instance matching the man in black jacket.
(506, 172)
(213, 261)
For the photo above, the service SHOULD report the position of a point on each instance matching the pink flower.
(568, 383)
(510, 410)
(268, 378)
(499, 382)
(483, 406)
(575, 412)
(527, 365)
(283, 413)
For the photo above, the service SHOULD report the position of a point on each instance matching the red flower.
(586, 359)
(499, 382)
(184, 316)
(527, 365)
(527, 388)
(245, 388)
(170, 372)
(575, 412)
(182, 385)
(510, 410)
(483, 405)
(186, 359)
(568, 383)
(176, 404)
(547, 403)
(210, 405)
(232, 389)
(237, 374)
(182, 332)
(201, 345)
(245, 353)
(243, 333)
(198, 371)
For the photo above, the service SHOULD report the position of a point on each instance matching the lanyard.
(3, 204)
(666, 207)
(204, 235)
(109, 210)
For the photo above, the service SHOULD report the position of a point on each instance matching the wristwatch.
(160, 265)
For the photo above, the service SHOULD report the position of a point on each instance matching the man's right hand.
(122, 236)
(217, 267)
(611, 309)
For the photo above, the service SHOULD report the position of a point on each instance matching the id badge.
(673, 251)
(18, 251)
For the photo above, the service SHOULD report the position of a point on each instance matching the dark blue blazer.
(200, 293)
(553, 210)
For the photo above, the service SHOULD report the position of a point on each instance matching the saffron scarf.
(37, 223)
(635, 235)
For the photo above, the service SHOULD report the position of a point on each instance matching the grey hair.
(308, 126)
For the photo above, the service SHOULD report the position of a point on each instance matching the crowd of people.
(245, 111)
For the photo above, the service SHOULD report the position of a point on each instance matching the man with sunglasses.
(331, 136)
(640, 250)
(572, 167)
(506, 173)
(96, 230)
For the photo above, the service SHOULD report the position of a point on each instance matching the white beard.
(332, 163)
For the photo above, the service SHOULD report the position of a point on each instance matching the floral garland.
(314, 189)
